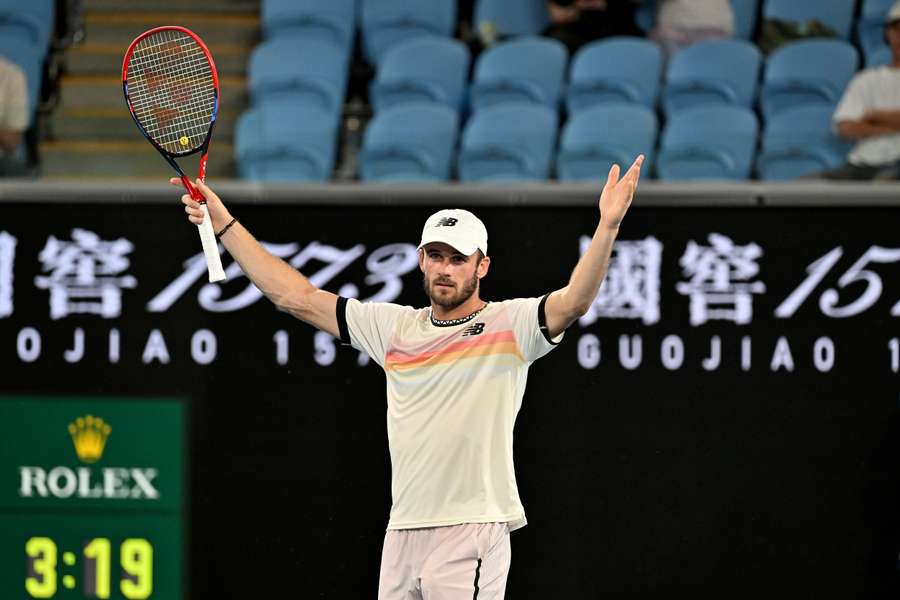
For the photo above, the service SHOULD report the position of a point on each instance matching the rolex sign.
(99, 453)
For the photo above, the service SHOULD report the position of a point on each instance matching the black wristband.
(224, 229)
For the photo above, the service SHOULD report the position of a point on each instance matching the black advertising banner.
(723, 421)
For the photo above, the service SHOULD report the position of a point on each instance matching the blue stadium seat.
(309, 71)
(712, 72)
(525, 69)
(386, 22)
(880, 57)
(799, 141)
(511, 17)
(508, 142)
(708, 142)
(331, 20)
(616, 69)
(423, 69)
(836, 14)
(807, 72)
(410, 142)
(37, 18)
(24, 27)
(745, 14)
(284, 141)
(595, 138)
(870, 27)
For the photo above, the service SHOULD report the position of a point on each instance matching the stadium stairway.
(90, 133)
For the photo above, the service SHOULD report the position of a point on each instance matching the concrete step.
(120, 28)
(95, 58)
(116, 124)
(174, 6)
(105, 91)
(99, 159)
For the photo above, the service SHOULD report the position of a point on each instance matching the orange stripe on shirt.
(472, 351)
(407, 359)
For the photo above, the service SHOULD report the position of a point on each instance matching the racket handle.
(207, 235)
(210, 247)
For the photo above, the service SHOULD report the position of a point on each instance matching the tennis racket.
(172, 90)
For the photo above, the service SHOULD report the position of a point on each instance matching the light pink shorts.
(458, 562)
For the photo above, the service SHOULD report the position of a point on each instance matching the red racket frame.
(204, 147)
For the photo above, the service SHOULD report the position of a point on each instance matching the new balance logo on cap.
(457, 228)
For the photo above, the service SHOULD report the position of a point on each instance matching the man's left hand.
(617, 194)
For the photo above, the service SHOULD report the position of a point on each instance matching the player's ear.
(421, 254)
(483, 267)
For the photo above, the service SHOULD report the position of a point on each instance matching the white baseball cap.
(458, 228)
(893, 14)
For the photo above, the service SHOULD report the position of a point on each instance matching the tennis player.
(456, 373)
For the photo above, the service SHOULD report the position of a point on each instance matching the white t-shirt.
(453, 393)
(871, 89)
(696, 14)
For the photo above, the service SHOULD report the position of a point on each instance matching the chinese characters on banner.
(84, 274)
(88, 275)
(631, 287)
(719, 285)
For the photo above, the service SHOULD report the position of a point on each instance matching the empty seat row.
(532, 69)
(383, 22)
(420, 142)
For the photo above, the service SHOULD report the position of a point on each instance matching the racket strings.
(172, 91)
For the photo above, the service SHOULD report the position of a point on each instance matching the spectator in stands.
(577, 22)
(680, 23)
(869, 113)
(13, 116)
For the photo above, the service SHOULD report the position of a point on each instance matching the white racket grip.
(210, 248)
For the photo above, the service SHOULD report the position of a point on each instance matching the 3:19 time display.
(135, 559)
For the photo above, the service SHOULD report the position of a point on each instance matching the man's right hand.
(218, 213)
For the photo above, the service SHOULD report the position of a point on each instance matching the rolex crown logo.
(89, 435)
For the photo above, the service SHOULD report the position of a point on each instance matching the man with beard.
(456, 374)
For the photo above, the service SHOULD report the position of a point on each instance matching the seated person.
(577, 22)
(869, 113)
(13, 116)
(680, 23)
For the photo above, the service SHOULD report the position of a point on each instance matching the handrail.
(650, 193)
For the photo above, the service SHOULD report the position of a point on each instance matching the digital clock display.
(98, 512)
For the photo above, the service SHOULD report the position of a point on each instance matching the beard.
(451, 301)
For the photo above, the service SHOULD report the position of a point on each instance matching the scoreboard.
(92, 498)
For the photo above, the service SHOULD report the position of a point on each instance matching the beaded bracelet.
(224, 229)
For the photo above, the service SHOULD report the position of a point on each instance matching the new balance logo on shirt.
(475, 329)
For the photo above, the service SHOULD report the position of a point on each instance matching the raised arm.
(859, 129)
(565, 305)
(280, 282)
